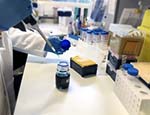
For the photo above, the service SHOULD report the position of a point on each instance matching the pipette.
(36, 27)
(31, 22)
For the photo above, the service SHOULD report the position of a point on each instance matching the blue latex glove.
(13, 11)
(59, 45)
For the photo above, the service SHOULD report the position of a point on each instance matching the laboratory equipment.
(116, 61)
(54, 45)
(83, 33)
(89, 38)
(104, 36)
(125, 40)
(85, 67)
(32, 24)
(133, 94)
(73, 39)
(59, 45)
(96, 37)
(126, 66)
(62, 75)
(65, 19)
(111, 71)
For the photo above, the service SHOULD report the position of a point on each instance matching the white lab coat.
(27, 42)
(6, 66)
(4, 102)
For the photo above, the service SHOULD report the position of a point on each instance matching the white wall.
(46, 7)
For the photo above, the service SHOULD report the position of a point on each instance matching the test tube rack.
(132, 93)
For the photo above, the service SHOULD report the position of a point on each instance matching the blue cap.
(96, 33)
(104, 33)
(89, 31)
(126, 66)
(98, 30)
(83, 29)
(133, 71)
(65, 44)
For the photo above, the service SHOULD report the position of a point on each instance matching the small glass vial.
(62, 75)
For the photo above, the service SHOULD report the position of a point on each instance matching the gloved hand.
(59, 45)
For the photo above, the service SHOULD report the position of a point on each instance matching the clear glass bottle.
(62, 75)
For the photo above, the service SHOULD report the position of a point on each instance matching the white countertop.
(85, 96)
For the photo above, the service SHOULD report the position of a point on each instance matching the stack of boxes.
(122, 48)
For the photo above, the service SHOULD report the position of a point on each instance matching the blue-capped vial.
(62, 75)
(104, 36)
(96, 37)
(89, 38)
(83, 33)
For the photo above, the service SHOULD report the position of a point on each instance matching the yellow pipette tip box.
(85, 67)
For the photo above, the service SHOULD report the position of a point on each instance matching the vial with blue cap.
(83, 36)
(82, 33)
(96, 37)
(89, 38)
(62, 75)
(104, 36)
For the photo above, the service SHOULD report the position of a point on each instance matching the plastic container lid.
(84, 29)
(63, 66)
(104, 33)
(65, 44)
(89, 31)
(64, 13)
(133, 71)
(96, 33)
(98, 30)
(126, 66)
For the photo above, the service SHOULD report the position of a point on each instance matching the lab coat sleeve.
(27, 42)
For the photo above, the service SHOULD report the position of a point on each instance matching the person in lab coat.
(11, 13)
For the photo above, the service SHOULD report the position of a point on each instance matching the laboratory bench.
(85, 96)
